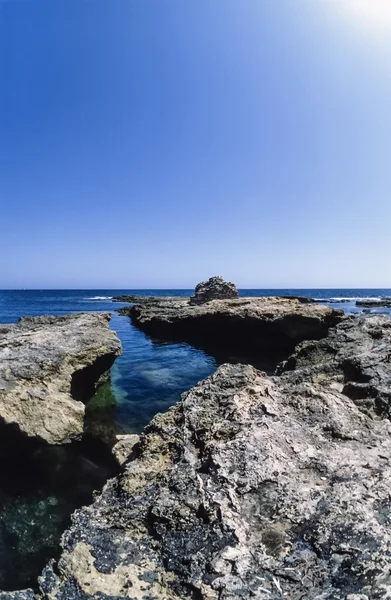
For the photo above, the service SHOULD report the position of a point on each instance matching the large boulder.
(48, 368)
(214, 289)
(251, 487)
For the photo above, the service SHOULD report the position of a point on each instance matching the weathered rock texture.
(251, 487)
(48, 368)
(246, 326)
(214, 289)
(22, 595)
(124, 447)
(356, 354)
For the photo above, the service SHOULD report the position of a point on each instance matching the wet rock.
(48, 368)
(251, 487)
(214, 289)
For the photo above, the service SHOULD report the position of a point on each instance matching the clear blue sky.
(153, 143)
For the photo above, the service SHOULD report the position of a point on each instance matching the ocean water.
(39, 492)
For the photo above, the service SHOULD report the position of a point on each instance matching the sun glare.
(367, 13)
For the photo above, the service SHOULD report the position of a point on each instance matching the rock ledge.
(48, 369)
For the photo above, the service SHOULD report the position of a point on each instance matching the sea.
(39, 490)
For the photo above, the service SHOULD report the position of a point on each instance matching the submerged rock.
(214, 289)
(251, 487)
(48, 368)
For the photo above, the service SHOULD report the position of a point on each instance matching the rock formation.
(248, 327)
(384, 302)
(251, 487)
(48, 367)
(355, 355)
(214, 289)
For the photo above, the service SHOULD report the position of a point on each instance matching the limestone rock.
(355, 355)
(124, 447)
(251, 487)
(214, 289)
(48, 368)
(246, 326)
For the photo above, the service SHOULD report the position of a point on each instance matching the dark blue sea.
(150, 377)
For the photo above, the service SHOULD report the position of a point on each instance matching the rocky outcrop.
(251, 487)
(48, 368)
(385, 302)
(214, 289)
(244, 327)
(355, 355)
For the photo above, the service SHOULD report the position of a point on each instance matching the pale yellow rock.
(47, 367)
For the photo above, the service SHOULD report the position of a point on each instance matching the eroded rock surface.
(260, 326)
(48, 368)
(357, 355)
(124, 447)
(214, 289)
(251, 487)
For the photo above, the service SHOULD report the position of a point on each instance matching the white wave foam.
(350, 299)
(100, 298)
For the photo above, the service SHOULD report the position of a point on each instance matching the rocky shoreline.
(254, 485)
(259, 331)
(49, 368)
